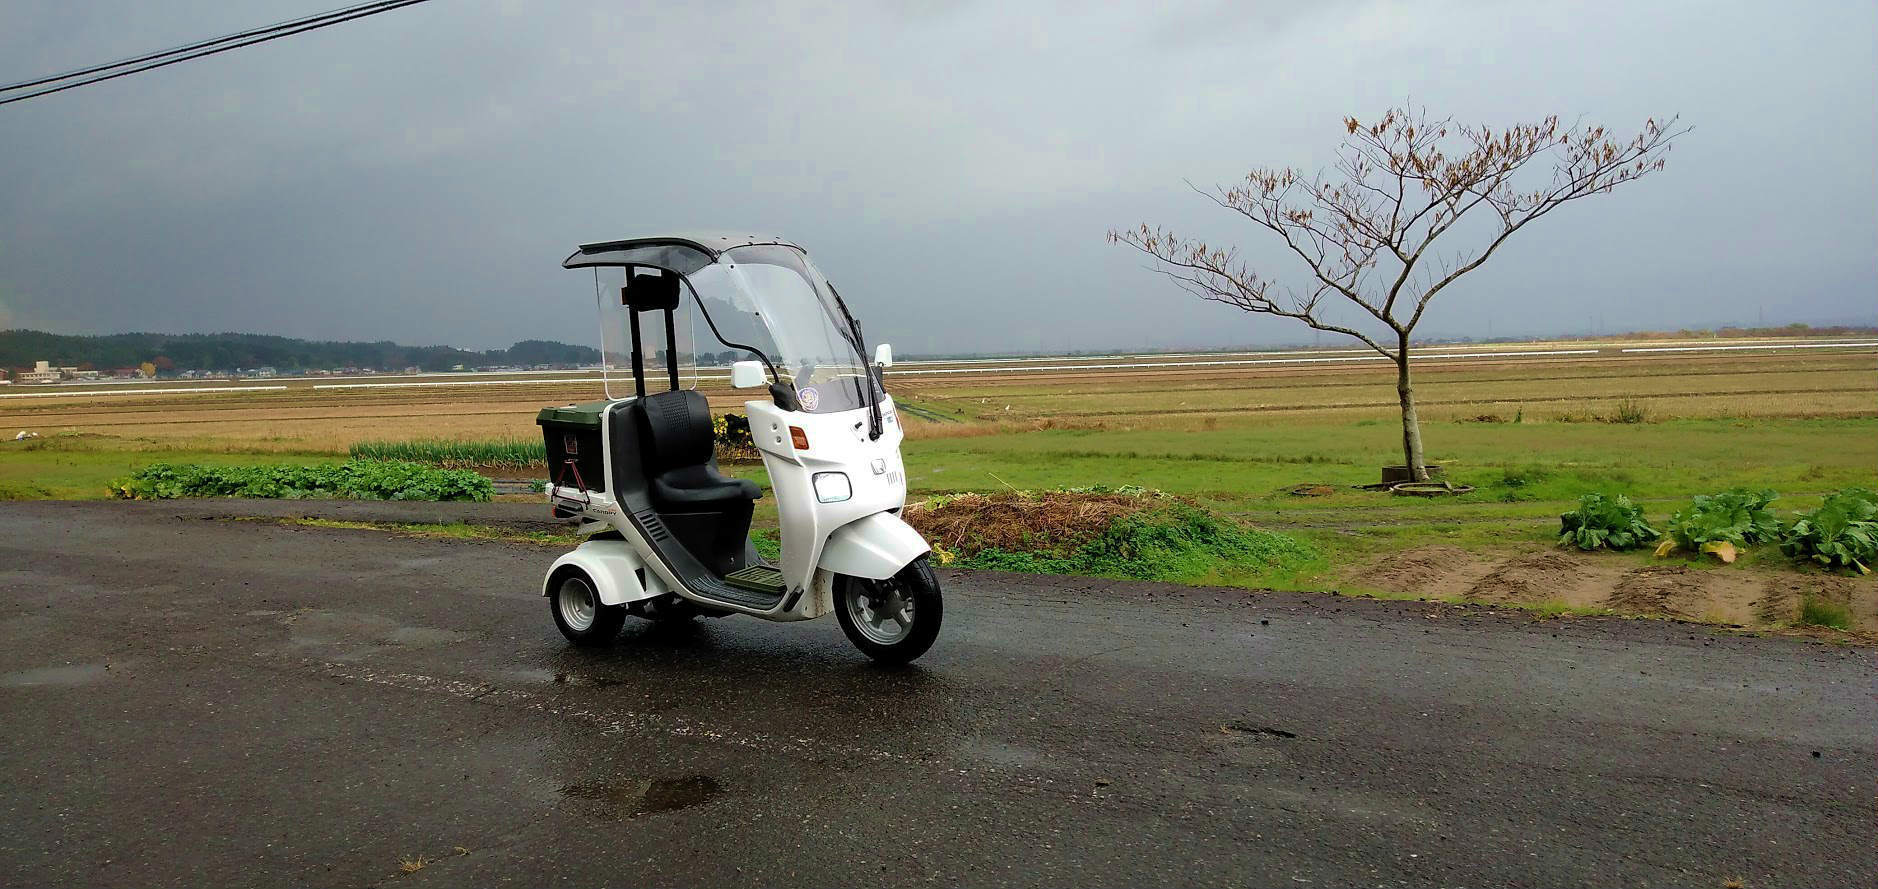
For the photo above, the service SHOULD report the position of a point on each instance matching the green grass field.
(1516, 469)
(81, 470)
(1529, 436)
(1523, 474)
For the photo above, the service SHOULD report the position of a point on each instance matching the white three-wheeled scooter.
(667, 535)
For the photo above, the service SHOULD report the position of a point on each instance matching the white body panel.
(874, 547)
(837, 443)
(617, 572)
(861, 536)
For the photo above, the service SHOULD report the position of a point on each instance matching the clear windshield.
(616, 339)
(773, 299)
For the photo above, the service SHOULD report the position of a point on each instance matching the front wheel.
(894, 620)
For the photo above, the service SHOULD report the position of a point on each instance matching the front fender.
(874, 547)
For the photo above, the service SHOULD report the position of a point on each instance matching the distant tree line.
(228, 351)
(1786, 330)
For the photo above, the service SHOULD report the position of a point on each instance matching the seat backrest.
(677, 430)
(650, 293)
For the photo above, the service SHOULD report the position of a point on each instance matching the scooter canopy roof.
(684, 253)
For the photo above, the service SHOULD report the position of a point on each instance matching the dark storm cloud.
(418, 175)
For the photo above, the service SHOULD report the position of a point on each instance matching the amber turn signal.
(798, 438)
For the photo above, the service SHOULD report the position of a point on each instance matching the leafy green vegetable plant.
(357, 480)
(1605, 521)
(1736, 517)
(1841, 533)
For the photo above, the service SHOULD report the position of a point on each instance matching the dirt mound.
(1534, 578)
(1427, 569)
(1753, 596)
(1781, 595)
(1048, 520)
(1660, 590)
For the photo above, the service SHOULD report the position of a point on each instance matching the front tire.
(894, 620)
(579, 613)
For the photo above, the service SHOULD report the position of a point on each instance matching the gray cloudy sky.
(419, 175)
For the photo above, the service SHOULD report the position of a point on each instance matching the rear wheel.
(579, 613)
(894, 620)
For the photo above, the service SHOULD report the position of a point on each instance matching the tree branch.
(1341, 229)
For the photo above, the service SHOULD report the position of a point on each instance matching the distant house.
(42, 372)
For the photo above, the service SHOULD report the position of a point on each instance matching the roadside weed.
(1817, 612)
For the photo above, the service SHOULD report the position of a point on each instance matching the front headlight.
(832, 487)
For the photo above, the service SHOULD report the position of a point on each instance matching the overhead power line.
(151, 61)
(192, 46)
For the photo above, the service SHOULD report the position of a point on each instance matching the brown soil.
(1745, 595)
(1781, 595)
(1547, 576)
(1427, 571)
(1658, 591)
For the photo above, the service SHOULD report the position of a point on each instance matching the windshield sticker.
(809, 398)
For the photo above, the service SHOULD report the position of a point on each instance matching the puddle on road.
(76, 674)
(997, 753)
(634, 797)
(422, 636)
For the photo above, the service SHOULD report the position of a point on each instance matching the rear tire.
(574, 600)
(895, 620)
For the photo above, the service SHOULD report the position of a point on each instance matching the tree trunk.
(1411, 425)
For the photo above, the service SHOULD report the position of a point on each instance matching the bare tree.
(1367, 231)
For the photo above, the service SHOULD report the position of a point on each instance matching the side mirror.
(747, 375)
(883, 355)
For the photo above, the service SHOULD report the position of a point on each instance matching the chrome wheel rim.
(577, 603)
(882, 610)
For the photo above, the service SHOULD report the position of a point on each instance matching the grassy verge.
(1243, 469)
(1128, 533)
(433, 530)
(1142, 536)
(1818, 612)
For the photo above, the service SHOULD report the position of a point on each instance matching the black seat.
(681, 463)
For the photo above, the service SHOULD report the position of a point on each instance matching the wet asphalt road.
(188, 701)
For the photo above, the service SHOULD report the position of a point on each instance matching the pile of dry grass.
(729, 454)
(1052, 521)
